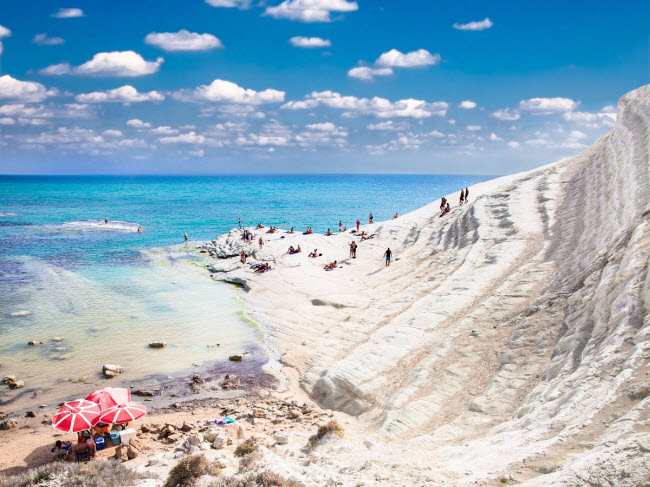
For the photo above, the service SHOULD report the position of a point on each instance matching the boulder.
(157, 345)
(134, 449)
(196, 378)
(30, 414)
(121, 453)
(111, 370)
(8, 424)
(142, 392)
(235, 358)
(33, 343)
(22, 312)
(218, 442)
(19, 384)
(57, 339)
(8, 379)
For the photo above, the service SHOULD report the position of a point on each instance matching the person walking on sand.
(185, 235)
(387, 255)
(261, 243)
(462, 196)
(466, 195)
(370, 218)
(358, 223)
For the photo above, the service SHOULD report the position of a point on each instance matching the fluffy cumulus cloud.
(138, 124)
(164, 130)
(484, 24)
(68, 13)
(108, 64)
(123, 94)
(413, 59)
(506, 115)
(182, 40)
(368, 73)
(241, 4)
(377, 107)
(4, 32)
(389, 125)
(547, 106)
(602, 119)
(187, 138)
(113, 133)
(309, 42)
(473, 128)
(228, 92)
(467, 105)
(14, 90)
(22, 112)
(310, 10)
(45, 40)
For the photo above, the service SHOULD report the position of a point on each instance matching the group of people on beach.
(444, 204)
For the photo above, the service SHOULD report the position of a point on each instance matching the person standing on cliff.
(466, 195)
(388, 254)
(240, 223)
(261, 243)
(370, 218)
(358, 223)
(462, 196)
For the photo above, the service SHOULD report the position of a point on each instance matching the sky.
(311, 86)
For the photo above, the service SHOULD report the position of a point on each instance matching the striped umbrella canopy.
(77, 415)
(123, 413)
(109, 397)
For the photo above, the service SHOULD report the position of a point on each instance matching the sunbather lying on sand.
(263, 268)
(331, 266)
(294, 251)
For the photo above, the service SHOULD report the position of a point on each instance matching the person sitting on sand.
(329, 232)
(331, 265)
(313, 254)
(263, 268)
(445, 211)
(291, 231)
(73, 450)
(271, 230)
(242, 257)
(345, 229)
(443, 202)
(298, 249)
(259, 225)
(291, 250)
(395, 217)
(62, 449)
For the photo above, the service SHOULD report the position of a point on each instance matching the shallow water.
(108, 290)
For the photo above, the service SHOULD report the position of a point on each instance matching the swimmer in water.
(139, 229)
(105, 219)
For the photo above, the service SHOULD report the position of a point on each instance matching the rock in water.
(111, 370)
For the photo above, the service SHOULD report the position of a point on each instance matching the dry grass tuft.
(331, 428)
(187, 471)
(94, 474)
(246, 447)
(264, 479)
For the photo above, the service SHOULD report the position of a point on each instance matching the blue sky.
(234, 86)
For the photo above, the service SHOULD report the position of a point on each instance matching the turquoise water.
(108, 290)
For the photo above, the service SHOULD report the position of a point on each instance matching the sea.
(90, 293)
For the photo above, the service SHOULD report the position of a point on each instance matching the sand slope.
(510, 336)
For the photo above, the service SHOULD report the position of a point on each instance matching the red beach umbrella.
(110, 397)
(77, 415)
(123, 413)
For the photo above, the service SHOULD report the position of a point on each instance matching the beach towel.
(296, 252)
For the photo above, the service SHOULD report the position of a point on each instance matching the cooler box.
(127, 435)
(115, 437)
(99, 443)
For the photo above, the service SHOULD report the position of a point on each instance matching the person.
(466, 195)
(388, 254)
(351, 249)
(291, 250)
(291, 231)
(443, 202)
(462, 196)
(354, 250)
(261, 241)
(298, 249)
(329, 232)
(139, 229)
(82, 448)
(370, 218)
(314, 254)
(242, 257)
(358, 223)
(395, 217)
(62, 449)
(105, 219)
(330, 266)
(340, 225)
(445, 210)
(282, 225)
(240, 223)
(100, 429)
(185, 235)
(259, 225)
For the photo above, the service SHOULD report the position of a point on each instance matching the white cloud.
(473, 128)
(397, 59)
(591, 120)
(547, 106)
(118, 63)
(436, 134)
(309, 42)
(197, 153)
(366, 73)
(495, 138)
(72, 110)
(506, 114)
(138, 124)
(242, 4)
(4, 32)
(328, 127)
(467, 105)
(164, 130)
(310, 10)
(513, 145)
(113, 133)
(188, 138)
(68, 13)
(608, 109)
(14, 90)
(484, 24)
(378, 107)
(576, 134)
(7, 121)
(389, 125)
(45, 40)
(226, 91)
(124, 94)
(182, 40)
